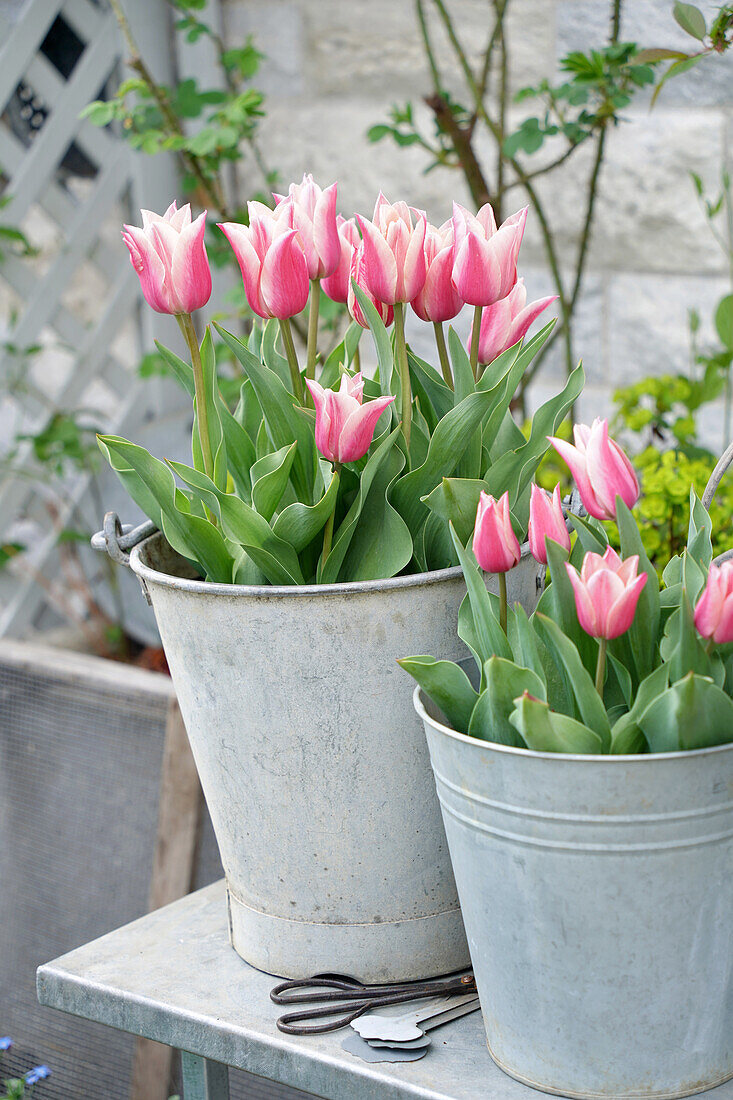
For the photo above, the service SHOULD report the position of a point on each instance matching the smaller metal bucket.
(597, 896)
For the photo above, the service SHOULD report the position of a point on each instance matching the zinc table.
(172, 976)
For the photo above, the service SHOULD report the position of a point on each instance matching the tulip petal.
(583, 604)
(325, 231)
(284, 277)
(379, 267)
(240, 238)
(149, 267)
(358, 431)
(190, 266)
(576, 463)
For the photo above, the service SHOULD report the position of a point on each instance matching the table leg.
(203, 1079)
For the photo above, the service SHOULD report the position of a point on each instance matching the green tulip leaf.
(429, 389)
(590, 706)
(382, 342)
(447, 685)
(488, 637)
(270, 476)
(190, 535)
(380, 545)
(545, 731)
(298, 524)
(644, 630)
(270, 355)
(505, 682)
(285, 423)
(694, 713)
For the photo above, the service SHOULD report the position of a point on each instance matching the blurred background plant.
(575, 111)
(18, 1088)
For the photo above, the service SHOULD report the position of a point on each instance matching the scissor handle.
(290, 1021)
(333, 988)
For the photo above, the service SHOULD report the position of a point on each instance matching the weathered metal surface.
(203, 1079)
(597, 895)
(313, 763)
(172, 976)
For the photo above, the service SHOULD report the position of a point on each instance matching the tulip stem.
(601, 666)
(185, 322)
(475, 337)
(502, 601)
(328, 529)
(401, 349)
(292, 357)
(310, 366)
(443, 353)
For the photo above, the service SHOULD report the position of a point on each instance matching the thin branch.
(429, 51)
(460, 137)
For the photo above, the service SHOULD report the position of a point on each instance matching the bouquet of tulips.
(341, 477)
(608, 662)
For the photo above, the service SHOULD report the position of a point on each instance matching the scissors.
(345, 999)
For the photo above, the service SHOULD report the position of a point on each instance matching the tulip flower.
(356, 275)
(345, 426)
(494, 543)
(344, 429)
(274, 270)
(485, 265)
(314, 217)
(271, 259)
(337, 285)
(714, 611)
(394, 272)
(546, 521)
(601, 470)
(506, 322)
(438, 299)
(169, 256)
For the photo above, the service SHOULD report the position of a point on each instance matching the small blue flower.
(6, 1042)
(34, 1075)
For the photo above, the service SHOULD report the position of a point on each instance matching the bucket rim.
(573, 757)
(346, 588)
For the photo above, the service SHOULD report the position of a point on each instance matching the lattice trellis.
(72, 185)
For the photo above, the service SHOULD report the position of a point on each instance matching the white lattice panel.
(71, 185)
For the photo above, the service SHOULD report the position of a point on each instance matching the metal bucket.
(313, 764)
(597, 895)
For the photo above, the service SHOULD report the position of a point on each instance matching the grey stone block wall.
(335, 66)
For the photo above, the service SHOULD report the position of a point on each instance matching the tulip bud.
(337, 285)
(314, 217)
(169, 256)
(606, 591)
(394, 256)
(438, 300)
(546, 521)
(714, 611)
(344, 426)
(601, 470)
(485, 266)
(507, 321)
(494, 543)
(271, 259)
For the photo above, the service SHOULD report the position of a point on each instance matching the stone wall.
(335, 66)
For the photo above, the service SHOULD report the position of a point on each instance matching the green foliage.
(542, 684)
(599, 84)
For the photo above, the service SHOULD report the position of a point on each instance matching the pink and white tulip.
(271, 259)
(314, 217)
(357, 274)
(606, 591)
(507, 321)
(546, 521)
(438, 300)
(601, 470)
(344, 426)
(169, 256)
(494, 543)
(336, 286)
(714, 610)
(394, 254)
(485, 265)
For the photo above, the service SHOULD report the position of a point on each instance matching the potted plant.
(585, 778)
(307, 547)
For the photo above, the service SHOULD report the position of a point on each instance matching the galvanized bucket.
(313, 764)
(597, 895)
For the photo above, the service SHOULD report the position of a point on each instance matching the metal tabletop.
(172, 976)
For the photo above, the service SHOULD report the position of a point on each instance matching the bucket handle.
(118, 539)
(711, 488)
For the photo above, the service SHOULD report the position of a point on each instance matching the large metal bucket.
(597, 895)
(313, 763)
